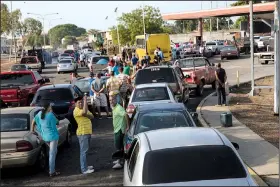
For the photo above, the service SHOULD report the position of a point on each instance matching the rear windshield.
(161, 120)
(211, 43)
(154, 75)
(12, 122)
(96, 59)
(193, 163)
(55, 94)
(150, 94)
(28, 60)
(65, 62)
(16, 79)
(64, 54)
(229, 48)
(188, 63)
(69, 51)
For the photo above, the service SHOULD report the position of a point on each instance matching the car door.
(130, 176)
(211, 72)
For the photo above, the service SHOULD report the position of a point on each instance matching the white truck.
(265, 57)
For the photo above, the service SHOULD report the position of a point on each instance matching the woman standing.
(46, 123)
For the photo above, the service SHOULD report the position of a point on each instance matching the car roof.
(180, 137)
(161, 106)
(150, 85)
(18, 110)
(53, 86)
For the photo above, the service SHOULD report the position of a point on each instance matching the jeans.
(221, 92)
(52, 155)
(84, 141)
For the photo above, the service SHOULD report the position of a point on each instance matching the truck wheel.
(199, 89)
(42, 161)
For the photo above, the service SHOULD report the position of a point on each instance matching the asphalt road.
(102, 140)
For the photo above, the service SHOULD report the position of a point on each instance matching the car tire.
(42, 161)
(68, 139)
(199, 89)
(216, 52)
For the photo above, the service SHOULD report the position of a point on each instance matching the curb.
(204, 123)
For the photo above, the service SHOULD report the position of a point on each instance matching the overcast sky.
(92, 14)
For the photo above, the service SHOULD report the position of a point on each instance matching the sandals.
(56, 173)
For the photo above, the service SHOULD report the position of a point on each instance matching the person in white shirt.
(115, 57)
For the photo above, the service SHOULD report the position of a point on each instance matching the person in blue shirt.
(116, 68)
(134, 61)
(46, 123)
(91, 93)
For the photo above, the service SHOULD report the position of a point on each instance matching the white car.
(184, 156)
(66, 65)
(63, 55)
(215, 46)
(150, 94)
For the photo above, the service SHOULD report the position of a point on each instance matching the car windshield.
(192, 163)
(162, 119)
(65, 61)
(189, 63)
(150, 94)
(28, 60)
(18, 67)
(69, 51)
(64, 54)
(153, 75)
(14, 122)
(55, 94)
(83, 85)
(229, 48)
(16, 79)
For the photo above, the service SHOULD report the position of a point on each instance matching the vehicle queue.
(160, 144)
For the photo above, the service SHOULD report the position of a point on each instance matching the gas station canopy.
(262, 8)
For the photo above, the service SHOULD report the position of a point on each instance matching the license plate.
(64, 66)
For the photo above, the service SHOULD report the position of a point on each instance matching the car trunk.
(9, 139)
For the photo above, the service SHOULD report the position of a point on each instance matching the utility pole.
(116, 11)
(144, 19)
(276, 59)
(252, 49)
(217, 3)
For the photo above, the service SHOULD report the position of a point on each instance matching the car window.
(65, 61)
(191, 163)
(29, 60)
(16, 79)
(37, 75)
(83, 85)
(210, 43)
(199, 62)
(132, 160)
(162, 119)
(154, 75)
(65, 54)
(12, 122)
(150, 94)
(55, 94)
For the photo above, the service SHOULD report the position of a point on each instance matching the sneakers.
(116, 161)
(88, 171)
(117, 166)
(109, 116)
(90, 167)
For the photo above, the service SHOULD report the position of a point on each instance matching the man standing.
(221, 78)
(134, 61)
(113, 85)
(116, 68)
(148, 59)
(124, 86)
(91, 93)
(100, 99)
(83, 118)
(126, 69)
(120, 125)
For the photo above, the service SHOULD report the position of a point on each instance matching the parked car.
(63, 98)
(63, 55)
(157, 116)
(171, 75)
(55, 54)
(19, 146)
(19, 87)
(229, 51)
(150, 94)
(20, 67)
(198, 71)
(67, 65)
(70, 52)
(215, 46)
(39, 53)
(33, 62)
(184, 156)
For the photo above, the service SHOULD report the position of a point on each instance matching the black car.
(62, 97)
(160, 116)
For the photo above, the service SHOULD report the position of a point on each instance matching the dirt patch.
(6, 64)
(256, 112)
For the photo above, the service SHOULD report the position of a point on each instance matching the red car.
(229, 51)
(19, 87)
(198, 71)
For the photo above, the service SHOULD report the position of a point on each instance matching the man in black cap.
(221, 78)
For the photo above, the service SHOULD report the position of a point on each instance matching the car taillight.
(130, 108)
(23, 145)
(72, 104)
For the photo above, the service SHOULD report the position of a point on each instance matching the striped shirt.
(84, 123)
(124, 79)
(113, 84)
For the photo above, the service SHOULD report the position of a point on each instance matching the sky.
(92, 14)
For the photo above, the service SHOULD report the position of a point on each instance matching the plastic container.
(226, 119)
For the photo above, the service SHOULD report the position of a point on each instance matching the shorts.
(118, 140)
(100, 100)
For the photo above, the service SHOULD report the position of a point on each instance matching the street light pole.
(276, 59)
(252, 49)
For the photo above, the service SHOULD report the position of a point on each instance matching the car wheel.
(68, 140)
(42, 161)
(200, 89)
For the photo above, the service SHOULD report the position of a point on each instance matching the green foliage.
(131, 24)
(5, 25)
(69, 40)
(223, 24)
(185, 26)
(37, 40)
(60, 31)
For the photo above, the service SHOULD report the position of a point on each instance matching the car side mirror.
(236, 146)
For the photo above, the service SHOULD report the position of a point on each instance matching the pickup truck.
(198, 71)
(32, 62)
(215, 46)
(19, 87)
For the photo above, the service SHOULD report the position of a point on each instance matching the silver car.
(67, 65)
(19, 146)
(150, 94)
(184, 156)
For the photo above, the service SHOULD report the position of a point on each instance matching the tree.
(131, 24)
(60, 31)
(224, 24)
(4, 19)
(186, 25)
(69, 40)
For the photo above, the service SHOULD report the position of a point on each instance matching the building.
(4, 45)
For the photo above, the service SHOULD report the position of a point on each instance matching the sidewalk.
(261, 156)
